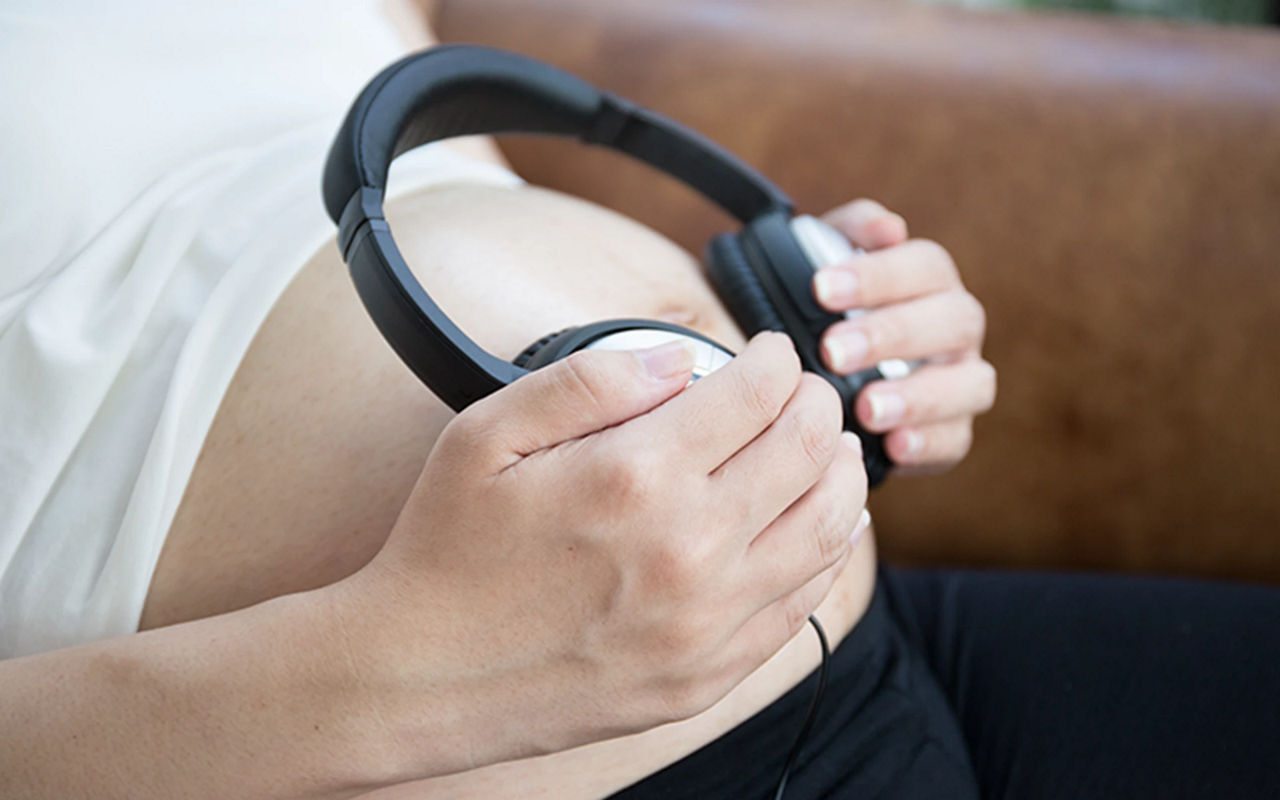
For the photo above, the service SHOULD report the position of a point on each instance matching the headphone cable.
(813, 710)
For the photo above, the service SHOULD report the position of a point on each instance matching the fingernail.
(886, 408)
(668, 360)
(846, 350)
(914, 442)
(835, 288)
(851, 441)
(860, 530)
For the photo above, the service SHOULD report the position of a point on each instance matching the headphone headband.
(458, 90)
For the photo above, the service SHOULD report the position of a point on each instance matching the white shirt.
(161, 166)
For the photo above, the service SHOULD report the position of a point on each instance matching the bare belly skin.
(323, 433)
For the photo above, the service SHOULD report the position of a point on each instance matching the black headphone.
(762, 273)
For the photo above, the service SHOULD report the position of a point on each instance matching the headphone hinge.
(364, 205)
(611, 119)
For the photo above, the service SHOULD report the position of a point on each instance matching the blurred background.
(1244, 12)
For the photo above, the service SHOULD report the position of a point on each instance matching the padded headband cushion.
(456, 90)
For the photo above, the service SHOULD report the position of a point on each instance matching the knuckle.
(852, 481)
(886, 227)
(823, 394)
(973, 317)
(834, 522)
(918, 407)
(937, 254)
(681, 642)
(675, 568)
(847, 215)
(782, 352)
(761, 392)
(987, 383)
(580, 376)
(626, 481)
(829, 523)
(886, 335)
(467, 432)
(816, 421)
(796, 610)
(864, 212)
(815, 438)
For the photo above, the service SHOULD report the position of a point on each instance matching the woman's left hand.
(917, 308)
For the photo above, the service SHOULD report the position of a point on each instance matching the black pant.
(1005, 685)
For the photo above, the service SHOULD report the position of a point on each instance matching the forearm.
(258, 703)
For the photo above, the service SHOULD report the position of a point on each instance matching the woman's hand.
(596, 550)
(917, 308)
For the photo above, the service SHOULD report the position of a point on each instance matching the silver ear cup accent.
(707, 357)
(823, 245)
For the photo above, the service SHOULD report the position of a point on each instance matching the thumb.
(584, 393)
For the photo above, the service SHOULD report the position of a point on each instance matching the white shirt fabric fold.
(162, 165)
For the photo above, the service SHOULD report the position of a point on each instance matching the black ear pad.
(737, 285)
(540, 353)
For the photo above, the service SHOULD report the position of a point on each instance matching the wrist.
(331, 723)
(437, 691)
(405, 685)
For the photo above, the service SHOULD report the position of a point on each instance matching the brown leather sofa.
(1110, 189)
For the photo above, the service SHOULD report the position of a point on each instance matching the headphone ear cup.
(736, 283)
(743, 295)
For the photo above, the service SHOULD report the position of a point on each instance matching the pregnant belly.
(322, 433)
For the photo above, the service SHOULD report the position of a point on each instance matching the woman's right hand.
(593, 551)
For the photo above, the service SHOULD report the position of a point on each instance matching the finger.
(934, 447)
(934, 393)
(868, 224)
(815, 531)
(778, 623)
(571, 398)
(719, 414)
(781, 464)
(950, 322)
(909, 270)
